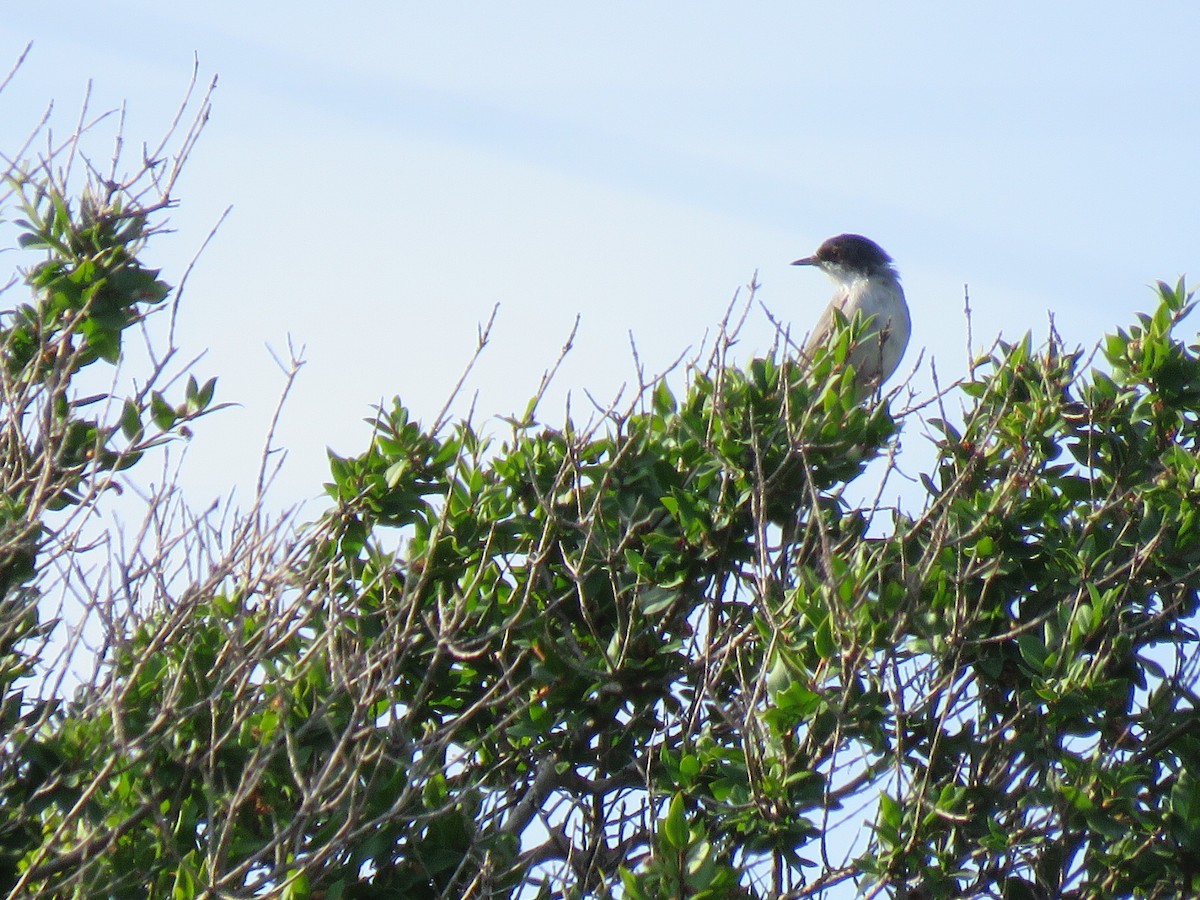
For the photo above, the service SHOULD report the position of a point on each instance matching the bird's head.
(849, 256)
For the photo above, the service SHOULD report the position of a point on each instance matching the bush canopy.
(657, 654)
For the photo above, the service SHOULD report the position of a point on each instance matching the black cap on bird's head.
(848, 252)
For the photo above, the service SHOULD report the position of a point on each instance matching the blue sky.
(396, 169)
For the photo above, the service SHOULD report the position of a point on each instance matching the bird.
(866, 282)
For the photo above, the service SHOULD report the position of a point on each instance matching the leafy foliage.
(56, 457)
(655, 655)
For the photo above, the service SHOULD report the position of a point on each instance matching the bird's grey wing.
(820, 333)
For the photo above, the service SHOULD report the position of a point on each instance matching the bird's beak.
(807, 261)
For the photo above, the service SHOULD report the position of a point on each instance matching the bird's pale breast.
(879, 350)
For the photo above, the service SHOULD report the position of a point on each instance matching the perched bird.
(865, 281)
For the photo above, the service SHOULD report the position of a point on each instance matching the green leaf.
(823, 641)
(891, 817)
(1033, 650)
(664, 400)
(395, 473)
(689, 766)
(131, 421)
(205, 394)
(161, 412)
(674, 828)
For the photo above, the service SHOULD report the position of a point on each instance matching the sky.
(398, 169)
